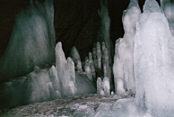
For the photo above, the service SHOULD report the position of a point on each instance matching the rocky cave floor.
(78, 106)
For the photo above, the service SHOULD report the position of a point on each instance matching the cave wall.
(76, 22)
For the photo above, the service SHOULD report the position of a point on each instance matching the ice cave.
(61, 58)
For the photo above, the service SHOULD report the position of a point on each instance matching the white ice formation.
(103, 86)
(76, 58)
(123, 67)
(152, 65)
(59, 81)
(33, 34)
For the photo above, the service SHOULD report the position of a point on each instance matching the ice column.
(123, 61)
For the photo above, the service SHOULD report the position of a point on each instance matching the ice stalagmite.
(92, 67)
(55, 80)
(123, 61)
(66, 72)
(153, 68)
(32, 41)
(87, 68)
(76, 58)
(168, 7)
(105, 28)
(99, 55)
(105, 60)
(100, 90)
(106, 86)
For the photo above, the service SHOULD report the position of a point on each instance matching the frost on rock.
(32, 41)
(76, 58)
(123, 61)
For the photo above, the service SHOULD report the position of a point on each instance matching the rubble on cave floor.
(79, 106)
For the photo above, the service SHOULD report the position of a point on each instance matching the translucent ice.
(123, 60)
(66, 72)
(153, 71)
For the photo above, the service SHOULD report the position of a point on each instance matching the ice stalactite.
(33, 34)
(123, 67)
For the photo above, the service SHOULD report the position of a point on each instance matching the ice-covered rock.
(123, 67)
(32, 41)
(76, 58)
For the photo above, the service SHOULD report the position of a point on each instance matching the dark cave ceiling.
(76, 22)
